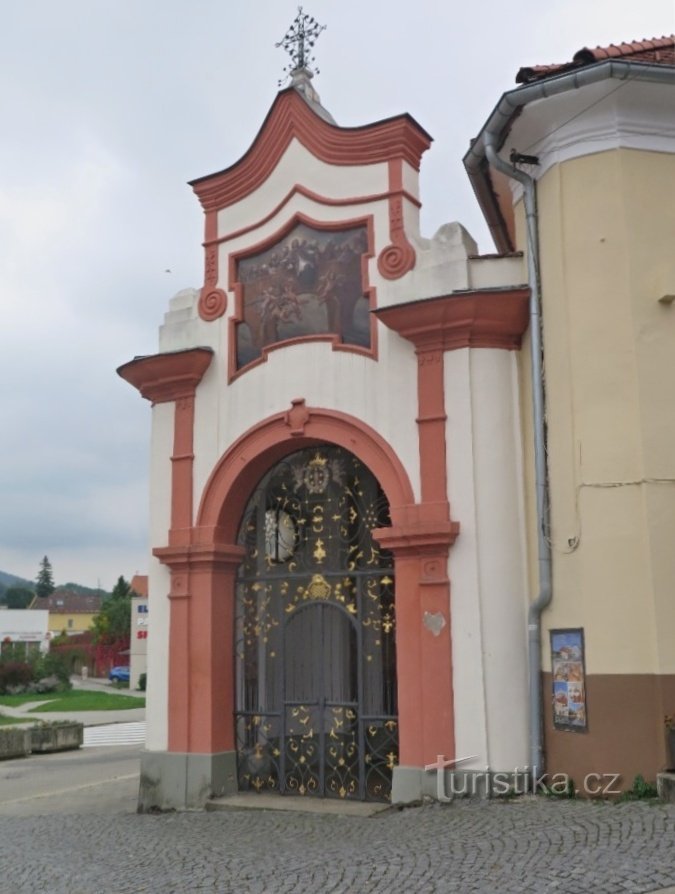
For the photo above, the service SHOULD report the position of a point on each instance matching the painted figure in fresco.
(308, 283)
(278, 308)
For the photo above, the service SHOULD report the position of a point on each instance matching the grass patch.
(7, 721)
(75, 700)
(13, 701)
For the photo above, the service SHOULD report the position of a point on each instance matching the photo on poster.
(569, 680)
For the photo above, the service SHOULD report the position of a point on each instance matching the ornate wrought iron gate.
(315, 625)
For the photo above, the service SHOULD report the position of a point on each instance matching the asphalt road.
(100, 781)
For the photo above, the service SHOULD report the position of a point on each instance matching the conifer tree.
(45, 579)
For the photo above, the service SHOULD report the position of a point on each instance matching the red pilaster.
(164, 378)
(422, 534)
(201, 682)
(420, 542)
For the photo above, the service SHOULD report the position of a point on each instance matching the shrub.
(12, 652)
(641, 790)
(142, 682)
(13, 674)
(53, 665)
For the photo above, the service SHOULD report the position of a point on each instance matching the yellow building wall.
(607, 223)
(79, 622)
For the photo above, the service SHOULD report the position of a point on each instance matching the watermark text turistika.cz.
(520, 781)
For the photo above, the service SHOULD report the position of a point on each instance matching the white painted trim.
(630, 118)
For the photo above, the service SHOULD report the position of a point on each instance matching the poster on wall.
(569, 680)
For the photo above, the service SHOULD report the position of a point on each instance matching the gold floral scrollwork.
(318, 588)
(319, 552)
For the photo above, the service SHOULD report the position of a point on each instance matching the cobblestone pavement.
(532, 845)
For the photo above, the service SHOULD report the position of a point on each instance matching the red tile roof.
(139, 584)
(69, 603)
(659, 50)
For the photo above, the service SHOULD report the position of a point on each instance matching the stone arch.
(203, 574)
(246, 461)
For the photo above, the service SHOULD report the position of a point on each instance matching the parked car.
(119, 675)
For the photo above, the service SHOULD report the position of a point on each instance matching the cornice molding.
(186, 557)
(509, 113)
(478, 319)
(606, 133)
(291, 118)
(167, 377)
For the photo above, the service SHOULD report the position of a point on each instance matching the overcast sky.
(108, 107)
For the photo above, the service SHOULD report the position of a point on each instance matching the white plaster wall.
(441, 263)
(464, 565)
(382, 394)
(23, 626)
(312, 208)
(495, 273)
(298, 166)
(161, 446)
(181, 322)
(411, 180)
(487, 563)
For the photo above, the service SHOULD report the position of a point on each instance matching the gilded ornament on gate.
(318, 588)
(316, 475)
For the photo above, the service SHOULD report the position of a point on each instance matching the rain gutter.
(482, 154)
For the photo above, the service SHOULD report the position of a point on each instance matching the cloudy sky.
(108, 107)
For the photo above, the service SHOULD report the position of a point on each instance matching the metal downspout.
(541, 477)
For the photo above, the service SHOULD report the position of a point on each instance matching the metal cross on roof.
(299, 41)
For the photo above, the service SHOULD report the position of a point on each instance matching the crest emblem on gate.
(316, 475)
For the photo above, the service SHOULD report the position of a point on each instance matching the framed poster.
(569, 680)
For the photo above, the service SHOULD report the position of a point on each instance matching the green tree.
(18, 597)
(122, 588)
(45, 579)
(113, 622)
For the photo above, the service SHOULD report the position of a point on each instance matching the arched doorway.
(315, 654)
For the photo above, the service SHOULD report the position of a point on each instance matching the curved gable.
(292, 118)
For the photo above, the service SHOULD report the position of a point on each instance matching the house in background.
(377, 538)
(138, 642)
(69, 612)
(27, 627)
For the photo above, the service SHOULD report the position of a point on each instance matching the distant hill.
(84, 591)
(13, 580)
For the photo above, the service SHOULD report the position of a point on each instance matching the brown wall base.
(625, 734)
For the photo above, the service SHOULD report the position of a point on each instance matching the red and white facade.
(428, 401)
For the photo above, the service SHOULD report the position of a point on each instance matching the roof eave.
(509, 107)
